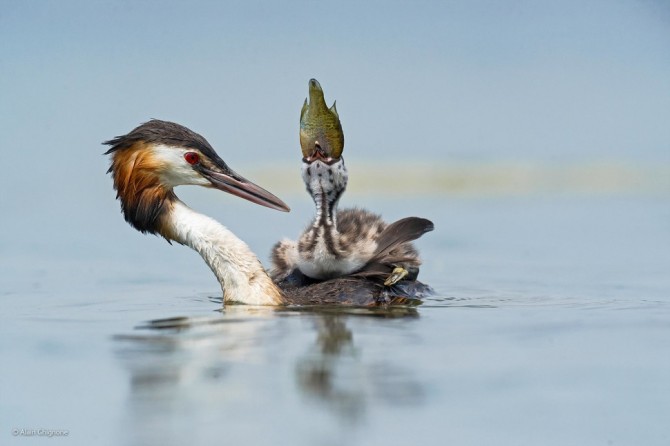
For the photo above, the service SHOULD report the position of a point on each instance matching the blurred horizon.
(477, 179)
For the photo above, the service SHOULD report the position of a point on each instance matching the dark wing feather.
(381, 264)
(399, 232)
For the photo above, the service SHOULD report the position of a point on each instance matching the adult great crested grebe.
(338, 242)
(148, 162)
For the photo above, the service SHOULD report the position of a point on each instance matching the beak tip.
(280, 206)
(243, 188)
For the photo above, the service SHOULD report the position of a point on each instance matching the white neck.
(238, 270)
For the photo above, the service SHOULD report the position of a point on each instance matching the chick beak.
(236, 184)
(318, 154)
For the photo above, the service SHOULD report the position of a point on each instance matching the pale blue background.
(482, 79)
(553, 82)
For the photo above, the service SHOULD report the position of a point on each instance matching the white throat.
(326, 184)
(240, 273)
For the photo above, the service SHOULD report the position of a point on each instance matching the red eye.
(192, 158)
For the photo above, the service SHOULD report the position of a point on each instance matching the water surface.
(551, 326)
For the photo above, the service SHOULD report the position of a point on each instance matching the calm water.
(552, 327)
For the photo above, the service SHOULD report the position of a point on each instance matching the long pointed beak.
(237, 185)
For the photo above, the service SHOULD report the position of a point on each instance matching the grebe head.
(152, 159)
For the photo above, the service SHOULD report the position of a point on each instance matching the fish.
(321, 132)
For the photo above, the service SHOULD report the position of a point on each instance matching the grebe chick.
(146, 165)
(337, 243)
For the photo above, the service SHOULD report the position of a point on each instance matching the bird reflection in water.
(336, 374)
(183, 370)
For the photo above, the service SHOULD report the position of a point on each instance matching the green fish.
(321, 133)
